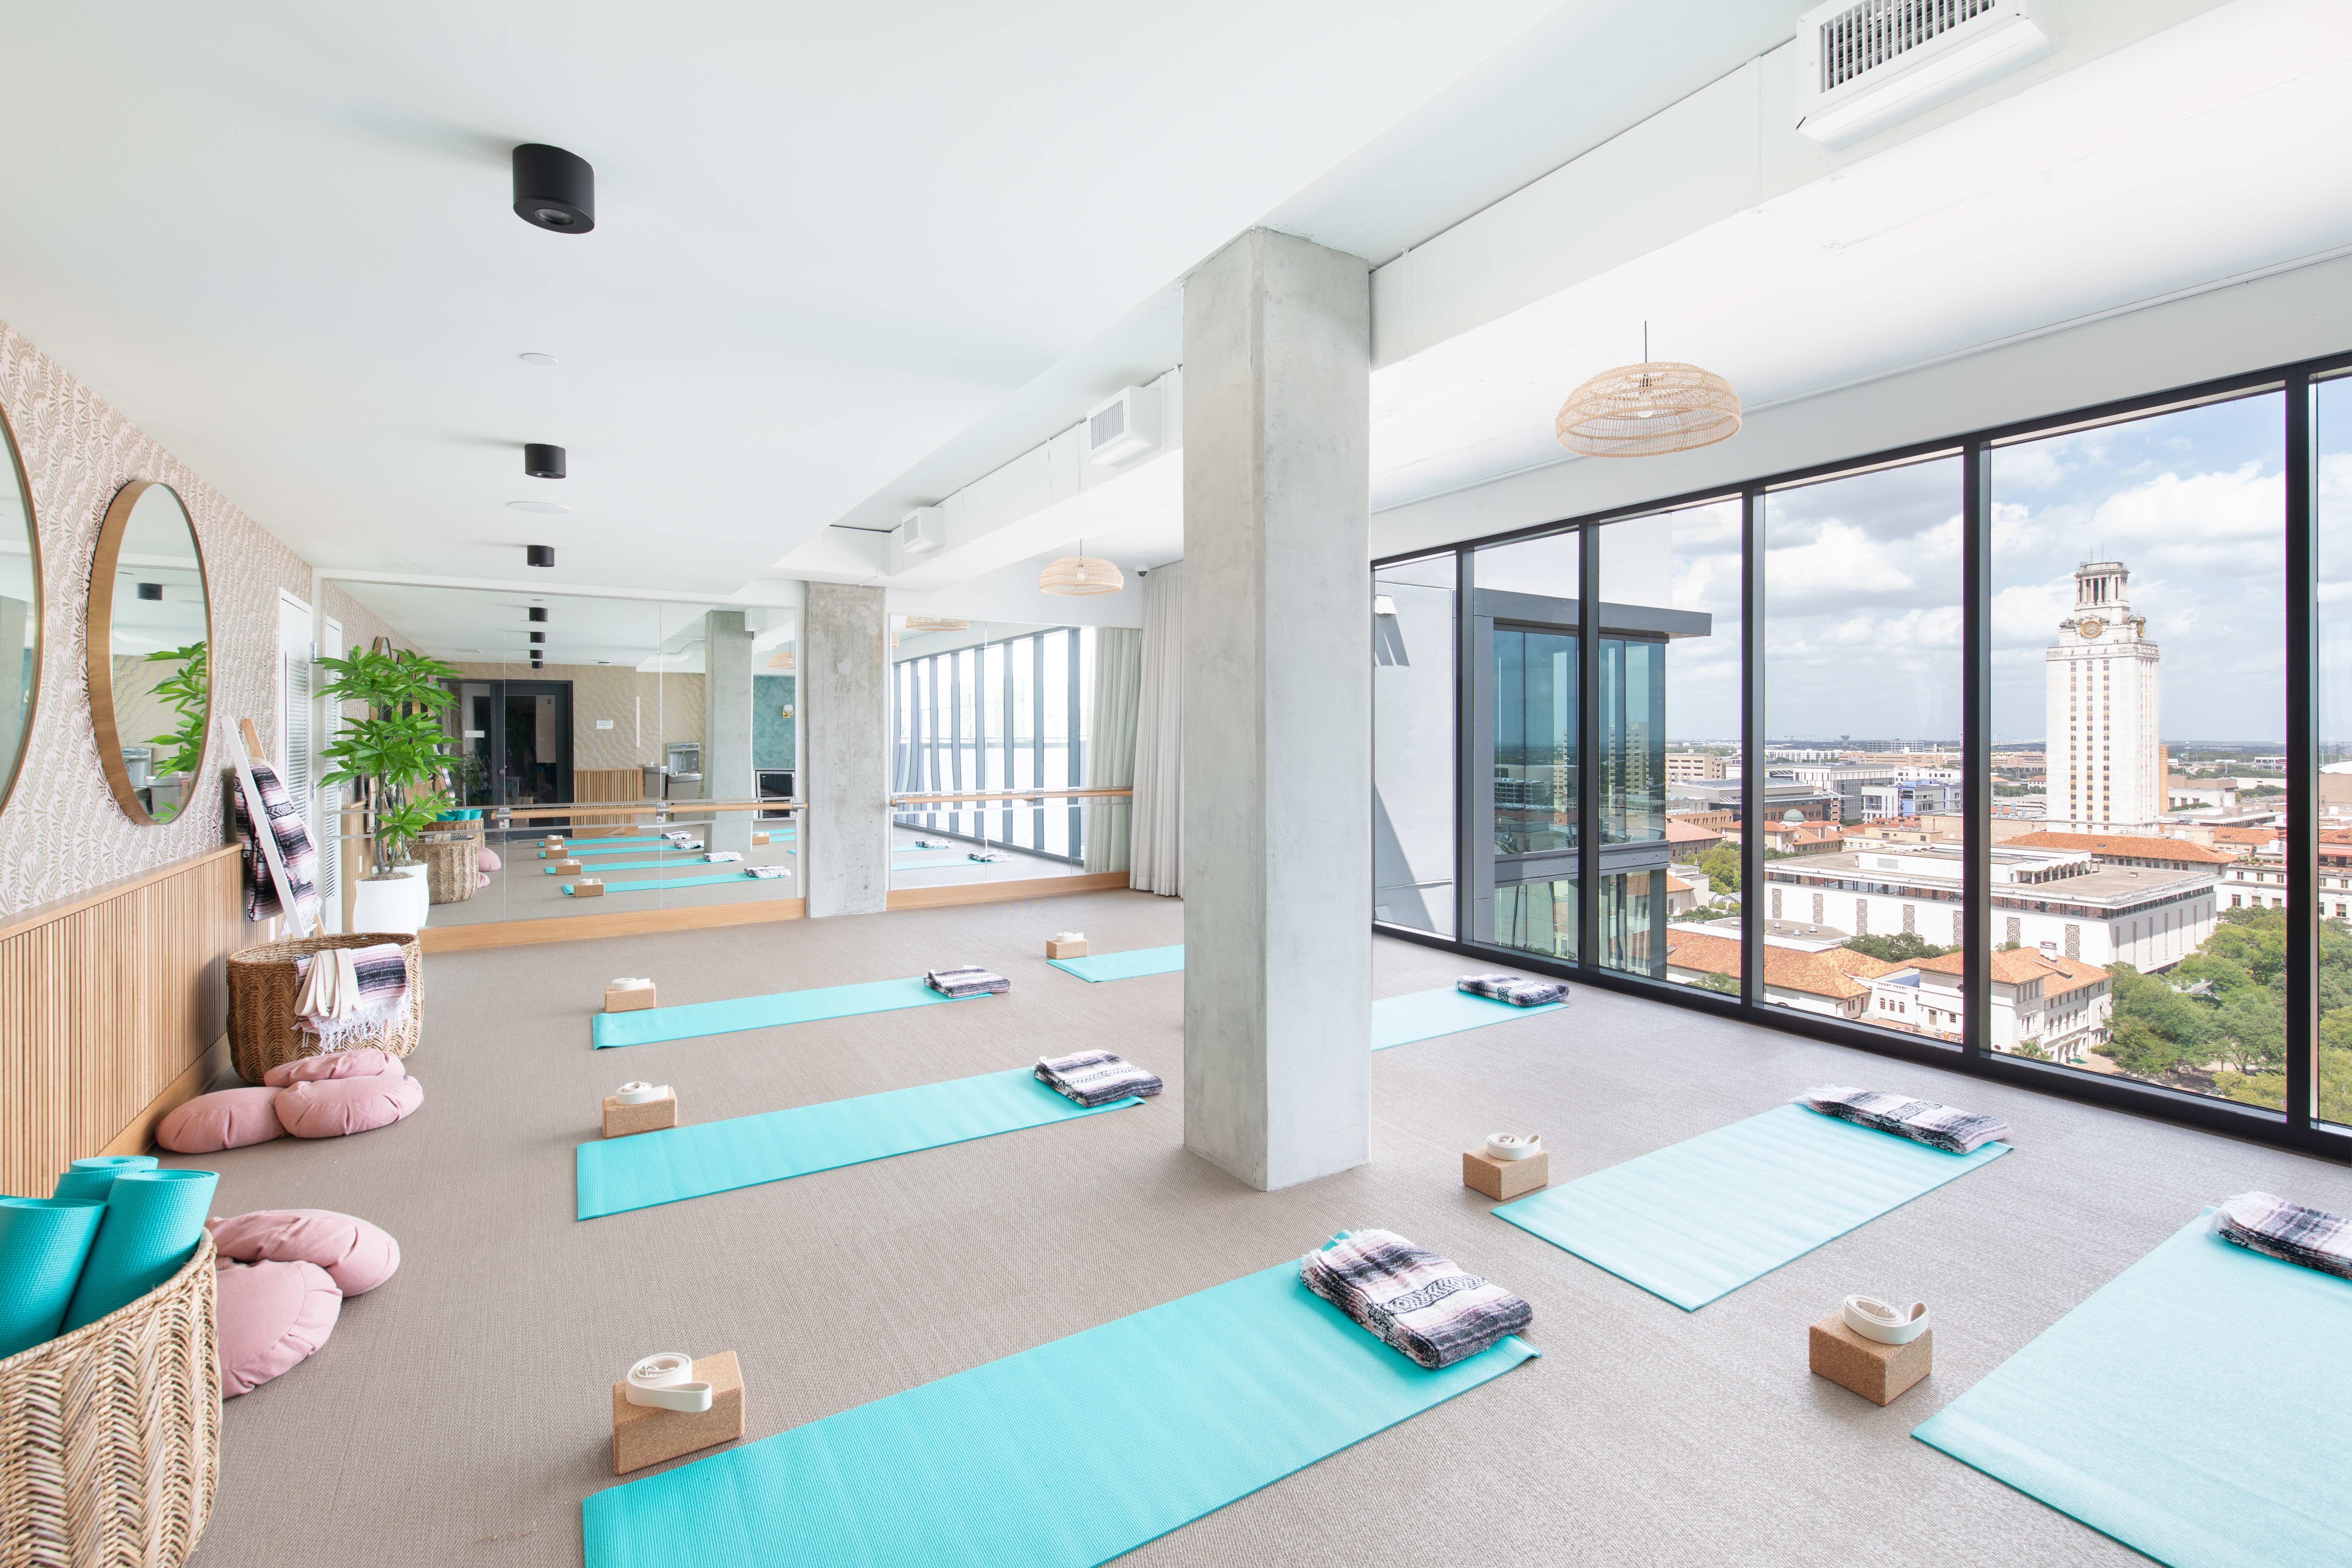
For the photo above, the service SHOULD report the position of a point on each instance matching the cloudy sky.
(1862, 582)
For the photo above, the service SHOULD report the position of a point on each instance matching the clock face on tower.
(2090, 628)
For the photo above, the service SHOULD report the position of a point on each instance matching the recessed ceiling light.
(539, 506)
(534, 357)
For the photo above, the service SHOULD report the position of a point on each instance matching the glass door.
(1528, 897)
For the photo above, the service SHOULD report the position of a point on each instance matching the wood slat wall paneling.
(107, 1002)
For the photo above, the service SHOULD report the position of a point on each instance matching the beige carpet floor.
(461, 1412)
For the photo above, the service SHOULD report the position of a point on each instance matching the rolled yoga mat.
(153, 1221)
(617, 1175)
(2194, 1408)
(1128, 965)
(1698, 1219)
(1060, 1456)
(44, 1243)
(93, 1177)
(1426, 1015)
(651, 1025)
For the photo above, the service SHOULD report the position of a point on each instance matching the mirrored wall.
(604, 754)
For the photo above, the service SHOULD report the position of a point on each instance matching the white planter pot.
(396, 905)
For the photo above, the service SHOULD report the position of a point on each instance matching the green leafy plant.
(187, 691)
(398, 749)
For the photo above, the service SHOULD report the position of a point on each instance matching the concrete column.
(845, 702)
(1276, 710)
(727, 725)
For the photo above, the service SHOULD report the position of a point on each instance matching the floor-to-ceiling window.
(1670, 745)
(2028, 751)
(1523, 780)
(2139, 891)
(1413, 631)
(2331, 403)
(995, 715)
(1863, 880)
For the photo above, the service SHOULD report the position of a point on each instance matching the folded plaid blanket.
(969, 981)
(984, 855)
(2288, 1232)
(678, 835)
(261, 901)
(1516, 989)
(1096, 1078)
(372, 982)
(1416, 1301)
(933, 844)
(722, 857)
(766, 872)
(1940, 1126)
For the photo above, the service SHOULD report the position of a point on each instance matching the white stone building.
(2060, 1008)
(2106, 765)
(2058, 901)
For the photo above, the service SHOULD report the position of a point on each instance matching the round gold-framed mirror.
(20, 612)
(151, 628)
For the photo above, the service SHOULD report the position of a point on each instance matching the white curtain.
(1110, 751)
(1158, 833)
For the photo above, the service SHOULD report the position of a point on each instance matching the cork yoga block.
(1066, 949)
(620, 1120)
(1877, 1372)
(630, 1000)
(1506, 1178)
(643, 1436)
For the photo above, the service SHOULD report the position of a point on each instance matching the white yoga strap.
(664, 1381)
(1874, 1320)
(636, 1092)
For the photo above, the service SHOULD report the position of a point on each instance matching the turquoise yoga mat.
(1061, 1456)
(650, 882)
(600, 867)
(1426, 1015)
(651, 1025)
(2195, 1408)
(1700, 1218)
(92, 1178)
(44, 1243)
(617, 1175)
(1100, 966)
(153, 1220)
(603, 846)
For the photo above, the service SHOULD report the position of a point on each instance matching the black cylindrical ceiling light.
(538, 612)
(152, 591)
(538, 554)
(553, 189)
(539, 636)
(541, 461)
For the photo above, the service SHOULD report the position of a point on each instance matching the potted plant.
(187, 692)
(396, 752)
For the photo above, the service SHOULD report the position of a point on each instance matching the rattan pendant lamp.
(1077, 575)
(1643, 410)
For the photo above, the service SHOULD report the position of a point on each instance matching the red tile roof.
(2144, 846)
(1832, 974)
(2017, 966)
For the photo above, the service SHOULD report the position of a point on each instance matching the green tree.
(1729, 984)
(1901, 947)
(1721, 865)
(187, 691)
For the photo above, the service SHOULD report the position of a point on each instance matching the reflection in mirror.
(20, 611)
(149, 666)
(664, 718)
(985, 707)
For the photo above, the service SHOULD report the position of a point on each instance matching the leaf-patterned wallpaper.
(60, 830)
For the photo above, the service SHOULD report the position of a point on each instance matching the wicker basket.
(109, 1435)
(452, 860)
(261, 987)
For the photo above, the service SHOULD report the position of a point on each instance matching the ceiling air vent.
(1870, 64)
(1125, 427)
(917, 532)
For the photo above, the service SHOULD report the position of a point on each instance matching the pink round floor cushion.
(224, 1119)
(486, 860)
(332, 1108)
(271, 1317)
(366, 1062)
(357, 1256)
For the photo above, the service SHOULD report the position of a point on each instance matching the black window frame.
(2296, 1127)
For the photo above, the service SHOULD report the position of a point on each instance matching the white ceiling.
(830, 237)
